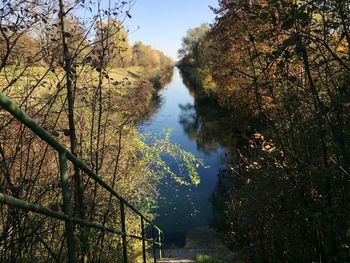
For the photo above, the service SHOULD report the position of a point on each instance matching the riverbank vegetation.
(80, 79)
(282, 69)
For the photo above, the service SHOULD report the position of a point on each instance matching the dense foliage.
(285, 64)
(80, 79)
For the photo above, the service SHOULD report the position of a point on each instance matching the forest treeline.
(104, 45)
(70, 67)
(282, 70)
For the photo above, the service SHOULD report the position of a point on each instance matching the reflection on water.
(204, 129)
(204, 122)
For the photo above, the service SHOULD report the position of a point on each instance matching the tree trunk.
(78, 193)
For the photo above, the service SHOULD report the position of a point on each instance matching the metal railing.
(67, 216)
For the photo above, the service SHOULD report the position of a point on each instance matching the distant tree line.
(284, 67)
(106, 40)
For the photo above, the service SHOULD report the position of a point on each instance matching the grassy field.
(39, 82)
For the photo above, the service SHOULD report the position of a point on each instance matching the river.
(195, 128)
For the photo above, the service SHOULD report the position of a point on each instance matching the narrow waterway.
(183, 208)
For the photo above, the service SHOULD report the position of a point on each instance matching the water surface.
(196, 128)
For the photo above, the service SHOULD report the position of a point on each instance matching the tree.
(268, 57)
(192, 41)
(75, 35)
(147, 57)
(196, 59)
(113, 38)
(286, 64)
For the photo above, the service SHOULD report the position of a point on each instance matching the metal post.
(154, 245)
(67, 207)
(67, 215)
(122, 217)
(143, 240)
(160, 243)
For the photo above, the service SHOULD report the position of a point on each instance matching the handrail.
(64, 155)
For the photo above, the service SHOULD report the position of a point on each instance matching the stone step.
(203, 241)
(190, 254)
(173, 260)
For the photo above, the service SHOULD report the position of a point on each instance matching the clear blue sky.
(163, 23)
